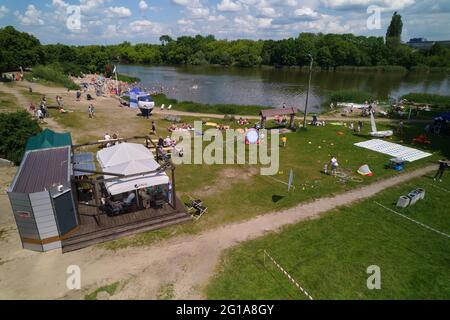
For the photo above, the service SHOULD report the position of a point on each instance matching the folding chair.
(163, 106)
(197, 207)
(170, 107)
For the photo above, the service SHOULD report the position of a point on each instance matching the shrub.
(15, 129)
(426, 98)
(349, 96)
(53, 73)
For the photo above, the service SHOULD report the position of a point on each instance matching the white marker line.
(417, 222)
(443, 189)
(289, 276)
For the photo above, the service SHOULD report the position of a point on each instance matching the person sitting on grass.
(443, 164)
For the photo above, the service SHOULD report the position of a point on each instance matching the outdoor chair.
(163, 106)
(196, 208)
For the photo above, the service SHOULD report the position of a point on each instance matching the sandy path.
(187, 262)
(25, 103)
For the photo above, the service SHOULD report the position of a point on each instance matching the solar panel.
(83, 166)
(83, 157)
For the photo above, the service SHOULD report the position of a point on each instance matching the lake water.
(273, 87)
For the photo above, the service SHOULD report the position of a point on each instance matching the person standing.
(284, 141)
(91, 111)
(153, 128)
(334, 165)
(360, 125)
(443, 164)
(400, 128)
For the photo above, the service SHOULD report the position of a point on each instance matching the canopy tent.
(278, 112)
(138, 182)
(123, 153)
(48, 139)
(130, 159)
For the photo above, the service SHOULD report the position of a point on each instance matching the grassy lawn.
(189, 106)
(239, 192)
(329, 256)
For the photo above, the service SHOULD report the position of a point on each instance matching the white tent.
(129, 159)
(122, 153)
(139, 182)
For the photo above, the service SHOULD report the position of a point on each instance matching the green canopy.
(48, 139)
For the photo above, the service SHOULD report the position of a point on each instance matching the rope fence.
(291, 279)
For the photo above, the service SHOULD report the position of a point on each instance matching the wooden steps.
(77, 242)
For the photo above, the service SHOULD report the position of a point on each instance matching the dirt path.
(24, 103)
(186, 262)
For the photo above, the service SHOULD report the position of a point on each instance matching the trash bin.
(414, 197)
(403, 202)
(421, 193)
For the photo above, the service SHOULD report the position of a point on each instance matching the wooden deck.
(111, 228)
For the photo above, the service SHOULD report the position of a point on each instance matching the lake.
(273, 87)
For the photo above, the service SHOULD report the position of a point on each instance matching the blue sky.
(114, 21)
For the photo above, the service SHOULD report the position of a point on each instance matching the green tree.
(394, 31)
(15, 129)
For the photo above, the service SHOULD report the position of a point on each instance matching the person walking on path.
(443, 164)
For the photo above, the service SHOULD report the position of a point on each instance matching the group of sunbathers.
(181, 127)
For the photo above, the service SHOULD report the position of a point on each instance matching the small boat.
(145, 104)
(352, 105)
(379, 134)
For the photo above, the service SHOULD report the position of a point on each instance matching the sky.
(82, 22)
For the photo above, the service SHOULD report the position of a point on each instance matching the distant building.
(423, 43)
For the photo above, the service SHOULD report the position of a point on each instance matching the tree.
(164, 39)
(394, 31)
(15, 129)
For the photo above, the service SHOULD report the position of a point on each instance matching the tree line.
(330, 51)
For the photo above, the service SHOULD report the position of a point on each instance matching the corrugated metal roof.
(278, 112)
(42, 170)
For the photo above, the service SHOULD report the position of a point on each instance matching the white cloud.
(384, 4)
(3, 11)
(31, 17)
(147, 27)
(306, 12)
(118, 12)
(143, 5)
(268, 12)
(229, 6)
